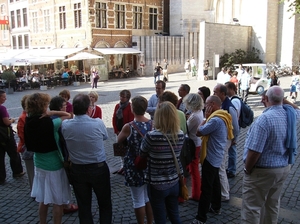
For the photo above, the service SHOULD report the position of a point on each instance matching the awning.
(28, 61)
(117, 50)
(83, 56)
(10, 54)
(61, 52)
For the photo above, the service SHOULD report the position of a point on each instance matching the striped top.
(162, 173)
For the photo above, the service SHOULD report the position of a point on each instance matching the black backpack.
(246, 115)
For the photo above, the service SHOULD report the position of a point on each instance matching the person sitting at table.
(121, 72)
(23, 83)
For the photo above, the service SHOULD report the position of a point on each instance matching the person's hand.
(208, 111)
(12, 120)
(48, 113)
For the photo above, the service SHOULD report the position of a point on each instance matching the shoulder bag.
(120, 149)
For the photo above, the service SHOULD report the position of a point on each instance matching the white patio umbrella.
(83, 56)
(27, 61)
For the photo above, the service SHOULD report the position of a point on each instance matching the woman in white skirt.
(50, 184)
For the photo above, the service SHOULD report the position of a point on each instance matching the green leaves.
(240, 56)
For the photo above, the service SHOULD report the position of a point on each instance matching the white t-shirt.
(245, 80)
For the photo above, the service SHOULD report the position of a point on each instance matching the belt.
(90, 165)
(268, 167)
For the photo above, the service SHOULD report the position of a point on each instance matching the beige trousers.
(261, 192)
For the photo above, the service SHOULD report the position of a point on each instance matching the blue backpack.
(246, 115)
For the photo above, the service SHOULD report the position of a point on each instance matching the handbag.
(188, 149)
(120, 149)
(183, 191)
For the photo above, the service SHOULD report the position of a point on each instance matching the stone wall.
(215, 39)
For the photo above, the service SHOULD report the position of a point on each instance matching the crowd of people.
(211, 121)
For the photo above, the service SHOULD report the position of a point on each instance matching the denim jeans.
(232, 159)
(211, 191)
(97, 178)
(163, 203)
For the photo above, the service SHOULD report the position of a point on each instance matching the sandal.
(71, 208)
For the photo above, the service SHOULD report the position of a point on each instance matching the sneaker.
(196, 221)
(19, 175)
(215, 211)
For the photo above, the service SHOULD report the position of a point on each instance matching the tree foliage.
(240, 57)
(294, 6)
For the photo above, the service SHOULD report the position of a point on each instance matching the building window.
(120, 16)
(25, 23)
(20, 42)
(153, 19)
(62, 17)
(5, 34)
(19, 18)
(137, 17)
(14, 42)
(2, 9)
(26, 41)
(77, 15)
(100, 15)
(47, 20)
(35, 22)
(12, 17)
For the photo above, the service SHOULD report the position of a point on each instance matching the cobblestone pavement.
(16, 205)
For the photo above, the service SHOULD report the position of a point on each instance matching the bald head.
(275, 95)
(214, 102)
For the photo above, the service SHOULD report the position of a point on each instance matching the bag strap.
(136, 128)
(175, 159)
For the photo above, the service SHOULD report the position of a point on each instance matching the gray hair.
(275, 95)
(193, 102)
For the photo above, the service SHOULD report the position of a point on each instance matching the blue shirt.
(84, 138)
(217, 131)
(152, 103)
(267, 136)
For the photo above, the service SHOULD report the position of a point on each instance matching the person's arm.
(61, 114)
(8, 121)
(251, 160)
(124, 133)
(114, 122)
(285, 101)
(235, 123)
(151, 105)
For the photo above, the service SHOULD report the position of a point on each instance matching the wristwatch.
(246, 171)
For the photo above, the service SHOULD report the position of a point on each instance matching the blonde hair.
(193, 102)
(94, 94)
(166, 120)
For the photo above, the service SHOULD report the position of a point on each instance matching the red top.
(234, 80)
(127, 116)
(96, 112)
(20, 129)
